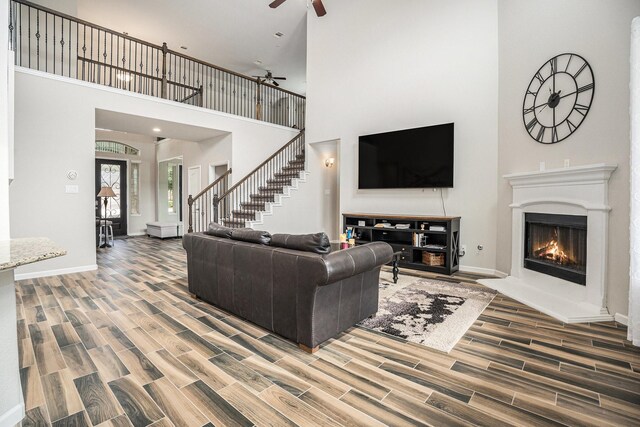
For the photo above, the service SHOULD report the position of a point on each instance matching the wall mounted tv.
(410, 158)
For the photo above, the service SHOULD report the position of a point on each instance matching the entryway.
(112, 173)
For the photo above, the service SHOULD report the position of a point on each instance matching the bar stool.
(106, 232)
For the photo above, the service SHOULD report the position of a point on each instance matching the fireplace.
(556, 245)
(566, 213)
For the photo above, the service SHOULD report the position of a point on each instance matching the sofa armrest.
(350, 262)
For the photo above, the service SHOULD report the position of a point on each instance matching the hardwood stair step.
(287, 174)
(243, 215)
(234, 223)
(256, 206)
(263, 197)
(279, 181)
(271, 189)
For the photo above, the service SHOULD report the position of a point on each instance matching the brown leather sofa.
(307, 296)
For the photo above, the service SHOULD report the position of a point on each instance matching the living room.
(371, 67)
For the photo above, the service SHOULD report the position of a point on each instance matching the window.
(170, 175)
(134, 190)
(116, 148)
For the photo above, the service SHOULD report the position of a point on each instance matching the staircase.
(256, 193)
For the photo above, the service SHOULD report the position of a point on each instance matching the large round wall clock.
(558, 98)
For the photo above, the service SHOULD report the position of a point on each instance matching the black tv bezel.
(409, 188)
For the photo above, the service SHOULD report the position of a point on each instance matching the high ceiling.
(230, 33)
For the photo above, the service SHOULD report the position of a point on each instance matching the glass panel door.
(113, 173)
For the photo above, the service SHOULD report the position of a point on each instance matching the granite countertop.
(17, 252)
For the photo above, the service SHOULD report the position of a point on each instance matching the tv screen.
(410, 158)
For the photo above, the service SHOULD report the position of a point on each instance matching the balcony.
(49, 41)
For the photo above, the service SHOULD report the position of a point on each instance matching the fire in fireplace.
(556, 245)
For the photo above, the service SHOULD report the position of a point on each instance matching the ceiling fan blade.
(275, 83)
(319, 7)
(276, 3)
(279, 78)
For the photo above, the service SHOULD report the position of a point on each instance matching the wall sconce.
(329, 162)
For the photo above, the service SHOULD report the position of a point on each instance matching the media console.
(428, 243)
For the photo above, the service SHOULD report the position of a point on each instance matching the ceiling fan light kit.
(270, 78)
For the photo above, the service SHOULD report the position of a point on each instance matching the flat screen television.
(410, 158)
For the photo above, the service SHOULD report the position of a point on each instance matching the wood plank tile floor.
(126, 345)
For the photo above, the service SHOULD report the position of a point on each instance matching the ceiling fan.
(317, 5)
(268, 77)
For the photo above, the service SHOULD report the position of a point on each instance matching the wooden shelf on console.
(402, 239)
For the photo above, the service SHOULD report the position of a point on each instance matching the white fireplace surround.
(579, 190)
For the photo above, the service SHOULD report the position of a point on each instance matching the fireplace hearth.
(556, 245)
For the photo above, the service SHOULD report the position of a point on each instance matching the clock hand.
(547, 103)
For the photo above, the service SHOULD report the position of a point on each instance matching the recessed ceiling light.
(257, 62)
(123, 77)
(184, 47)
(278, 35)
(156, 130)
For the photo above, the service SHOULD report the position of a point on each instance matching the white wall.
(313, 207)
(137, 224)
(55, 132)
(600, 32)
(376, 66)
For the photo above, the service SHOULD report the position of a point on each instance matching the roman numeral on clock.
(554, 134)
(540, 135)
(529, 110)
(532, 124)
(585, 88)
(571, 126)
(580, 70)
(582, 109)
(539, 77)
(554, 65)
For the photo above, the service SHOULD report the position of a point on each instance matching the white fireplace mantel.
(578, 190)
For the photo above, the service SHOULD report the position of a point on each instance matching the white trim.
(145, 97)
(621, 318)
(210, 179)
(576, 175)
(189, 179)
(137, 233)
(58, 272)
(482, 270)
(13, 416)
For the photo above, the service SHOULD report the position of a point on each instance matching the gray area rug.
(430, 312)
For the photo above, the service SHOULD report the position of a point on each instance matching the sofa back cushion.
(218, 230)
(317, 243)
(251, 236)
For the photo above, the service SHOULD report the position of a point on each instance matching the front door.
(113, 173)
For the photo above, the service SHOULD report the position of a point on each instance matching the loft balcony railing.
(46, 40)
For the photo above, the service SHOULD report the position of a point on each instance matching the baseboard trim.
(13, 416)
(139, 233)
(47, 273)
(482, 270)
(621, 318)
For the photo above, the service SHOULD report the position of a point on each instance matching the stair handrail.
(264, 175)
(192, 199)
(247, 176)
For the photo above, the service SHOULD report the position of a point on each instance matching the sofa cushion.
(218, 230)
(317, 243)
(251, 236)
